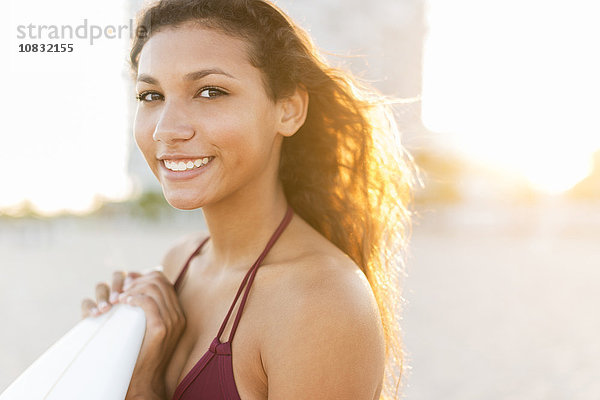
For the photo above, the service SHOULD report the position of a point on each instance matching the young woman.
(298, 170)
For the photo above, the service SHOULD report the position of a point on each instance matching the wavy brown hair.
(345, 171)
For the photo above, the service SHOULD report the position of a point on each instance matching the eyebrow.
(192, 76)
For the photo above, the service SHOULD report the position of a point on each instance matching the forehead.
(175, 51)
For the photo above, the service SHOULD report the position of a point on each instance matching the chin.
(185, 207)
(184, 203)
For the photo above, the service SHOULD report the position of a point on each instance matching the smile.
(184, 165)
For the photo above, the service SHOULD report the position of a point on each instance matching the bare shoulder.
(326, 338)
(179, 252)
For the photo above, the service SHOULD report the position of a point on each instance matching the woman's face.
(204, 122)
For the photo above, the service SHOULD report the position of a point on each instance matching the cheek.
(244, 138)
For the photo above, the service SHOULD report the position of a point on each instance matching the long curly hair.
(345, 171)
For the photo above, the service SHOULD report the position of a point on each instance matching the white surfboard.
(93, 361)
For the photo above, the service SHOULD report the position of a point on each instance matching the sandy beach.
(500, 302)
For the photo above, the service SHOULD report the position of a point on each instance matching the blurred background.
(502, 275)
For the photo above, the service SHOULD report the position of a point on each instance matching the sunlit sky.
(64, 114)
(514, 83)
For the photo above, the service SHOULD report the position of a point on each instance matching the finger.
(155, 326)
(157, 287)
(88, 308)
(168, 296)
(168, 291)
(152, 277)
(118, 279)
(158, 268)
(129, 278)
(102, 292)
(149, 289)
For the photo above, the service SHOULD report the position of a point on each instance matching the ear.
(292, 111)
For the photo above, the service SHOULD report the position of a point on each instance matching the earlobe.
(293, 111)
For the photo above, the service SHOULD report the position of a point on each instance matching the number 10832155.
(46, 48)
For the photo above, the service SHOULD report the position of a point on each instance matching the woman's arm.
(165, 320)
(165, 323)
(331, 345)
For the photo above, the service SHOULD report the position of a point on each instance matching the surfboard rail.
(94, 360)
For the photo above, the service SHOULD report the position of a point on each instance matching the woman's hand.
(165, 323)
(107, 295)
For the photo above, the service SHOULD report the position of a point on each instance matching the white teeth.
(185, 165)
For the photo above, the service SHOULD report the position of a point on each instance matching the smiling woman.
(298, 170)
(217, 102)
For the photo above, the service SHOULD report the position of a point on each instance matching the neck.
(240, 228)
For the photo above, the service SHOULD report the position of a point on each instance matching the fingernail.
(94, 311)
(103, 306)
(122, 297)
(129, 299)
(127, 283)
(114, 297)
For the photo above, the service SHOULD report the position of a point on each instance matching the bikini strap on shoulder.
(251, 274)
(187, 263)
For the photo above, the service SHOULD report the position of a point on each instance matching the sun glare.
(515, 84)
(65, 135)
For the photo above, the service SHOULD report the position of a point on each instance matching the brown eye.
(211, 92)
(149, 96)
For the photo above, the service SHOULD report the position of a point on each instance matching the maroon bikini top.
(211, 378)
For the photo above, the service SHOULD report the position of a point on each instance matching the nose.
(173, 125)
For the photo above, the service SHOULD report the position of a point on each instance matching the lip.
(183, 175)
(179, 156)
